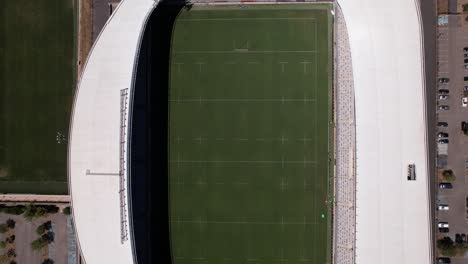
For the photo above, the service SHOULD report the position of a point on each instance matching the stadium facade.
(392, 213)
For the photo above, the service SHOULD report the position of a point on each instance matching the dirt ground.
(85, 32)
(25, 233)
(442, 7)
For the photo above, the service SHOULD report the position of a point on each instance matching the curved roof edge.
(393, 221)
(97, 190)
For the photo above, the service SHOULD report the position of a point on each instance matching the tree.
(11, 253)
(48, 237)
(448, 175)
(38, 244)
(3, 244)
(33, 211)
(10, 239)
(446, 246)
(3, 228)
(48, 261)
(11, 223)
(40, 230)
(67, 210)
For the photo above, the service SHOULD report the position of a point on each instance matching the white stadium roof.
(393, 216)
(94, 147)
(393, 221)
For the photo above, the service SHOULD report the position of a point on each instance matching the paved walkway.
(31, 198)
(344, 235)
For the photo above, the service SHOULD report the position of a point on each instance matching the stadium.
(253, 132)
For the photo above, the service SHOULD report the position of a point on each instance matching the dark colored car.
(466, 55)
(444, 91)
(464, 127)
(465, 49)
(442, 124)
(444, 107)
(465, 88)
(463, 238)
(444, 230)
(442, 135)
(443, 141)
(444, 80)
(465, 78)
(445, 185)
(465, 60)
(443, 260)
(458, 238)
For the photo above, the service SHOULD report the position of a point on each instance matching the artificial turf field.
(36, 88)
(249, 130)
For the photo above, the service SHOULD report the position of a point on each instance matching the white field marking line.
(178, 66)
(200, 64)
(304, 64)
(304, 162)
(221, 100)
(200, 139)
(244, 51)
(246, 19)
(304, 139)
(283, 185)
(282, 139)
(282, 65)
(178, 139)
(199, 222)
(282, 223)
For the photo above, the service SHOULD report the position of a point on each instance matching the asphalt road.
(451, 41)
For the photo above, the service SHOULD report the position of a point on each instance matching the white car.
(443, 207)
(466, 66)
(443, 225)
(464, 101)
(443, 97)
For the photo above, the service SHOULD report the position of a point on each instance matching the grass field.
(36, 88)
(249, 118)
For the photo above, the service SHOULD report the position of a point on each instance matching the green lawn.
(36, 91)
(250, 106)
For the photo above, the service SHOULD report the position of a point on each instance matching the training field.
(36, 87)
(249, 126)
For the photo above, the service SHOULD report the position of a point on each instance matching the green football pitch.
(36, 88)
(250, 134)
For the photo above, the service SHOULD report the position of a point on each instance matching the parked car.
(465, 66)
(443, 141)
(443, 91)
(443, 225)
(444, 107)
(465, 78)
(463, 238)
(458, 238)
(464, 101)
(444, 230)
(465, 60)
(465, 55)
(445, 185)
(444, 260)
(442, 124)
(442, 135)
(465, 89)
(444, 80)
(465, 49)
(443, 207)
(443, 97)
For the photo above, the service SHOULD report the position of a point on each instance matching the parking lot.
(451, 40)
